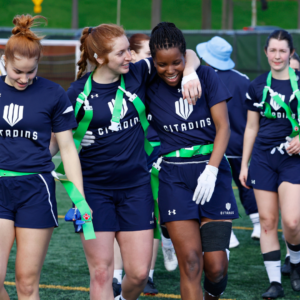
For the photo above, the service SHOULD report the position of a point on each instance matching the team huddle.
(162, 138)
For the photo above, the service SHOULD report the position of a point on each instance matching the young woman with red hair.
(116, 178)
(32, 108)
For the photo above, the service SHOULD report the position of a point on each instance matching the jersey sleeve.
(251, 99)
(63, 113)
(145, 69)
(215, 88)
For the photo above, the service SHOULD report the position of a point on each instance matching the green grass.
(186, 14)
(65, 265)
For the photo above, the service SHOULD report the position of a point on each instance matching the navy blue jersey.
(237, 84)
(152, 134)
(272, 132)
(28, 118)
(178, 124)
(116, 160)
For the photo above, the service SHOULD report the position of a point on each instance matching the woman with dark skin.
(180, 127)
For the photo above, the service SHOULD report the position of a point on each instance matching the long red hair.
(97, 40)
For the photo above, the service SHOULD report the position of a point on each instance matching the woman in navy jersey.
(272, 140)
(32, 107)
(194, 169)
(115, 174)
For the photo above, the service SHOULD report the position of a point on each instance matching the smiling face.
(20, 71)
(120, 56)
(278, 54)
(170, 64)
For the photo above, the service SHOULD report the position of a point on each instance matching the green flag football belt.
(184, 153)
(296, 93)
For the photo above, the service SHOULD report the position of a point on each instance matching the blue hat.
(216, 52)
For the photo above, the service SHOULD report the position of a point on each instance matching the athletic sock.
(294, 253)
(151, 272)
(272, 264)
(118, 274)
(254, 218)
(164, 232)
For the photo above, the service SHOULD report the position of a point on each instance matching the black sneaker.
(295, 277)
(286, 267)
(274, 291)
(150, 288)
(116, 287)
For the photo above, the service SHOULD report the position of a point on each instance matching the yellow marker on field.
(37, 6)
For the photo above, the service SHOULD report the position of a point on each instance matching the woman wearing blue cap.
(272, 140)
(216, 53)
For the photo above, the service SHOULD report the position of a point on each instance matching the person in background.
(216, 53)
(286, 267)
(272, 141)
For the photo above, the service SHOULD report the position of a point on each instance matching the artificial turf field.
(65, 274)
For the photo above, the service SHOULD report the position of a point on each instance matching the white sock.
(288, 254)
(151, 272)
(273, 270)
(118, 274)
(166, 242)
(294, 256)
(254, 218)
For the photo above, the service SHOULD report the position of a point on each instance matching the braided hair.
(166, 35)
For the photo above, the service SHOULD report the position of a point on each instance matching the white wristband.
(188, 78)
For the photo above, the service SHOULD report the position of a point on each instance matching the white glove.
(206, 185)
(88, 139)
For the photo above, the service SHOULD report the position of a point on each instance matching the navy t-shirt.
(237, 84)
(152, 135)
(178, 124)
(28, 118)
(116, 160)
(272, 132)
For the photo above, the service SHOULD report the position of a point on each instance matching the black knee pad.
(215, 289)
(215, 236)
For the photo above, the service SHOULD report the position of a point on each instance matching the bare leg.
(154, 255)
(289, 196)
(7, 234)
(136, 248)
(215, 263)
(268, 208)
(32, 246)
(185, 236)
(100, 258)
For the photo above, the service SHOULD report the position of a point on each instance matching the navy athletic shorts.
(29, 200)
(177, 183)
(122, 210)
(267, 171)
(153, 157)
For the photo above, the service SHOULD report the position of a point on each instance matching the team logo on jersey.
(86, 216)
(228, 206)
(274, 104)
(296, 128)
(13, 113)
(183, 108)
(124, 110)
